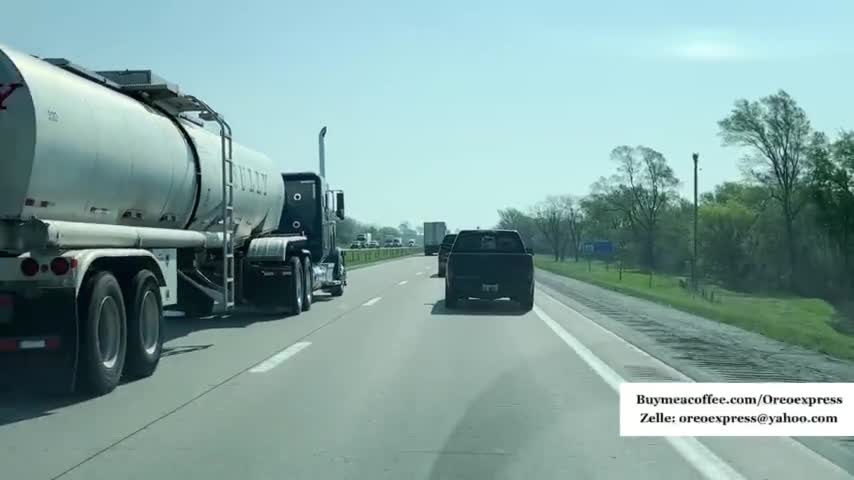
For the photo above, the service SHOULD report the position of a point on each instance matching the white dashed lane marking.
(372, 301)
(278, 358)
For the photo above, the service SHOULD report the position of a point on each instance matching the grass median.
(362, 257)
(807, 322)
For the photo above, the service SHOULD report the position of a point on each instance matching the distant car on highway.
(444, 250)
(357, 245)
(397, 242)
(410, 243)
(490, 264)
(373, 244)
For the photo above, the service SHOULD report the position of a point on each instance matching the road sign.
(603, 247)
(598, 248)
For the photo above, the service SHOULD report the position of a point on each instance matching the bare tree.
(552, 220)
(777, 133)
(575, 226)
(515, 219)
(640, 190)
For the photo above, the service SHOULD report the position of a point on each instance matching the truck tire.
(527, 302)
(145, 325)
(294, 295)
(308, 284)
(450, 297)
(339, 272)
(103, 334)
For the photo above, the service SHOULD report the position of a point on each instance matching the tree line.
(786, 227)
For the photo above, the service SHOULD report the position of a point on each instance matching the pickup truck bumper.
(38, 337)
(475, 289)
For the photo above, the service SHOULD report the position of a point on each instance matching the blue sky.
(449, 110)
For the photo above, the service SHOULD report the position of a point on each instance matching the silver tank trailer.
(73, 150)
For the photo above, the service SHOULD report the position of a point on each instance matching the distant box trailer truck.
(434, 232)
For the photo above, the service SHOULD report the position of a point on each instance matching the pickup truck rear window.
(488, 242)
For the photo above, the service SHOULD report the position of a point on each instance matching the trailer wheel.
(295, 291)
(145, 325)
(308, 284)
(103, 338)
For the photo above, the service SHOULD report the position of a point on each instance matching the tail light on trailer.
(29, 267)
(23, 344)
(60, 266)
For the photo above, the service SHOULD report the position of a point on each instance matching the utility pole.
(694, 257)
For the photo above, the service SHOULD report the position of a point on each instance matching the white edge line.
(660, 363)
(403, 282)
(372, 301)
(278, 358)
(419, 273)
(698, 455)
(676, 373)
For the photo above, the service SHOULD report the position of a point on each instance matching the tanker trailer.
(115, 203)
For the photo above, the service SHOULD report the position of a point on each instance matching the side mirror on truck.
(339, 205)
(530, 251)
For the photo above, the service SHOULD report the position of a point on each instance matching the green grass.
(807, 322)
(358, 257)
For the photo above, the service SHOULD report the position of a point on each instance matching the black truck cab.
(310, 209)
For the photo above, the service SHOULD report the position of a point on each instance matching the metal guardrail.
(356, 256)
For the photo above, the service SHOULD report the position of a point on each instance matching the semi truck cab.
(312, 210)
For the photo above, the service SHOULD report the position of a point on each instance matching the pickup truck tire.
(145, 325)
(308, 284)
(527, 302)
(295, 295)
(103, 339)
(450, 297)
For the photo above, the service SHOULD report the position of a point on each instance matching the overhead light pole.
(694, 256)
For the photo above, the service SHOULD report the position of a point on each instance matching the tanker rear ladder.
(180, 103)
(228, 285)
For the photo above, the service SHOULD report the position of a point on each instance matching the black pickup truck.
(489, 264)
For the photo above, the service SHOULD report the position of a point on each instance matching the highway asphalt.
(382, 383)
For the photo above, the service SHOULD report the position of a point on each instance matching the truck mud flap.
(38, 339)
(267, 287)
